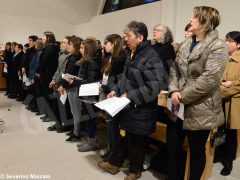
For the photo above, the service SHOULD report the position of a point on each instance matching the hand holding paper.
(113, 105)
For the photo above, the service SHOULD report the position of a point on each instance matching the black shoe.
(35, 110)
(52, 128)
(70, 133)
(106, 156)
(64, 129)
(46, 120)
(226, 169)
(73, 139)
(6, 94)
(19, 99)
(11, 97)
(217, 160)
(38, 113)
(44, 117)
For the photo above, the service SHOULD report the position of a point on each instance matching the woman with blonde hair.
(195, 81)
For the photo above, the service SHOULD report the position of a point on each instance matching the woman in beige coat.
(230, 90)
(195, 79)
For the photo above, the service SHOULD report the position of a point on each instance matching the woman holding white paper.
(89, 72)
(112, 70)
(195, 81)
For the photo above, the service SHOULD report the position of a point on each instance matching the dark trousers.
(112, 131)
(197, 141)
(227, 151)
(90, 114)
(175, 138)
(133, 145)
(8, 88)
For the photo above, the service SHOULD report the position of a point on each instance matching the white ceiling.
(71, 11)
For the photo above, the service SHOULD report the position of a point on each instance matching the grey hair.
(167, 34)
(138, 28)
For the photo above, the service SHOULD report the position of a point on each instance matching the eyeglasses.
(157, 30)
(230, 40)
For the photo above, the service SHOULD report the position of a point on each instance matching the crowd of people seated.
(202, 72)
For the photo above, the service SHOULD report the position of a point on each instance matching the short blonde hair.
(208, 17)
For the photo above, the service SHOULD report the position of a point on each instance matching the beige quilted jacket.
(197, 77)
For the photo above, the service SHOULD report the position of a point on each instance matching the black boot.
(227, 169)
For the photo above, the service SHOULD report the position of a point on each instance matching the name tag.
(105, 79)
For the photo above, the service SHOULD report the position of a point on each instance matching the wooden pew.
(2, 79)
(160, 135)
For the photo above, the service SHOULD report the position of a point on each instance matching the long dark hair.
(76, 41)
(50, 37)
(117, 51)
(90, 50)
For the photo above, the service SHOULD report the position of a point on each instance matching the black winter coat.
(166, 54)
(89, 72)
(143, 78)
(48, 62)
(17, 60)
(28, 58)
(71, 68)
(117, 65)
(8, 59)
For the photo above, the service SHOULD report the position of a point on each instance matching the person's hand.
(227, 84)
(23, 71)
(175, 98)
(111, 94)
(124, 95)
(61, 90)
(70, 80)
(38, 75)
(52, 83)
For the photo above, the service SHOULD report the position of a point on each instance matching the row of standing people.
(139, 74)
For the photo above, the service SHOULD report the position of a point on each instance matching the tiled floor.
(27, 148)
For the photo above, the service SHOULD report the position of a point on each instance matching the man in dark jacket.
(143, 78)
(16, 65)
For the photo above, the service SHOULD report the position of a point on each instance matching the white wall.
(14, 28)
(173, 13)
(229, 11)
(110, 23)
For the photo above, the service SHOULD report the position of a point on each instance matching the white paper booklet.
(63, 97)
(91, 89)
(69, 76)
(27, 82)
(24, 78)
(5, 70)
(176, 110)
(113, 105)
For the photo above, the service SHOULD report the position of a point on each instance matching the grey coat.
(63, 57)
(197, 77)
